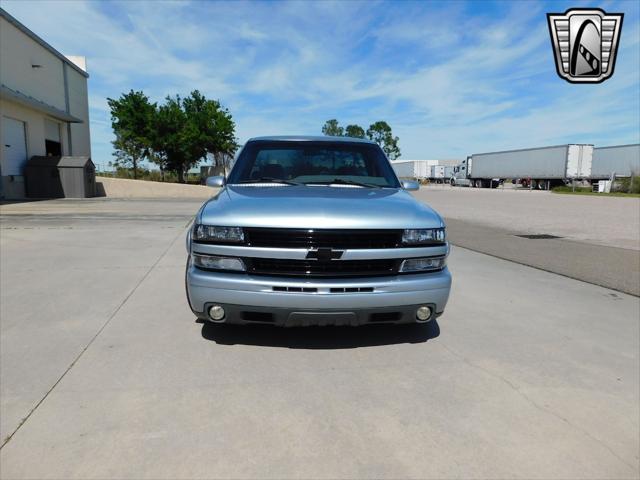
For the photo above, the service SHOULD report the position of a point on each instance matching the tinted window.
(313, 162)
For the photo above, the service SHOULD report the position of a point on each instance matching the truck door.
(461, 170)
(579, 159)
(587, 160)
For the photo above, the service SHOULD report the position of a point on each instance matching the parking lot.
(594, 239)
(607, 221)
(106, 373)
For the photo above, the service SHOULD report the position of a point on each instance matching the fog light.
(216, 313)
(423, 314)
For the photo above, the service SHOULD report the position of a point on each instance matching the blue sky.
(452, 78)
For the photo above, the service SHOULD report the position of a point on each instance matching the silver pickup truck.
(316, 231)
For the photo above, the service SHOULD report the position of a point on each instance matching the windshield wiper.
(342, 181)
(270, 180)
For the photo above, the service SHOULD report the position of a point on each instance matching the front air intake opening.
(295, 289)
(351, 290)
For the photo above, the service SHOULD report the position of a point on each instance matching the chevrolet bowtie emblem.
(585, 43)
(325, 254)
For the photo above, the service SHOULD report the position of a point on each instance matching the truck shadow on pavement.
(320, 338)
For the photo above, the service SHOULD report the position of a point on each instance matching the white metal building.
(44, 107)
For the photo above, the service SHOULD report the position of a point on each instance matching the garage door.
(14, 148)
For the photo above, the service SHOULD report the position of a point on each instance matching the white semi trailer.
(539, 168)
(441, 173)
(413, 169)
(434, 170)
(619, 160)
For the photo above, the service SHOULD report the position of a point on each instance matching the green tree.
(186, 130)
(158, 158)
(380, 132)
(332, 128)
(214, 123)
(175, 140)
(131, 119)
(354, 131)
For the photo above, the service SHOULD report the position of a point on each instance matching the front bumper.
(261, 299)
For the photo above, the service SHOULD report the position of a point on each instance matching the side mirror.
(216, 182)
(410, 185)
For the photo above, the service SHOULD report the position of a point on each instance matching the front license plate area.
(307, 319)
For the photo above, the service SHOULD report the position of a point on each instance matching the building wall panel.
(19, 55)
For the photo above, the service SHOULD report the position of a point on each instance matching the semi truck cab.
(460, 176)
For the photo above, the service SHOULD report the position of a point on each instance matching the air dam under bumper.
(253, 299)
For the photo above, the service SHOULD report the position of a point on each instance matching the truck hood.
(317, 207)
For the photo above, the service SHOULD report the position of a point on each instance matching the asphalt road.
(611, 267)
(596, 239)
(105, 372)
(606, 221)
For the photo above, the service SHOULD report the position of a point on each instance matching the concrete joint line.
(100, 330)
(531, 402)
(608, 287)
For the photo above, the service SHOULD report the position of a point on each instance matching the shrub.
(629, 184)
(569, 188)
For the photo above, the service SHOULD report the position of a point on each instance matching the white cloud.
(448, 82)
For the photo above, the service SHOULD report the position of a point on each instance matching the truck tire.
(452, 182)
(542, 184)
(479, 183)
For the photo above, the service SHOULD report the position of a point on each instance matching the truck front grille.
(315, 268)
(322, 238)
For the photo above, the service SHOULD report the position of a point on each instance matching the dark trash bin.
(42, 178)
(60, 177)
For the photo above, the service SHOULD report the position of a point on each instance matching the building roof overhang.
(7, 93)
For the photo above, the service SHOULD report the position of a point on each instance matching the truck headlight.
(425, 264)
(424, 236)
(211, 233)
(215, 262)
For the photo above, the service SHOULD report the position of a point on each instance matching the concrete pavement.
(598, 237)
(527, 375)
(611, 267)
(607, 221)
(63, 276)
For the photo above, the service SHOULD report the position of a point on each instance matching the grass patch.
(622, 187)
(629, 185)
(587, 191)
(569, 189)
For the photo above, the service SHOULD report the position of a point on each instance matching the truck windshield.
(311, 163)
